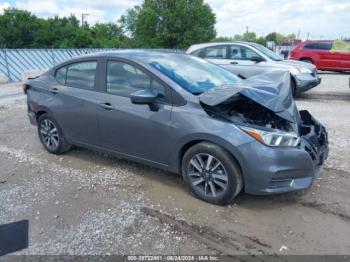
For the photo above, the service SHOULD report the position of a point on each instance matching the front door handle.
(107, 106)
(54, 91)
(234, 63)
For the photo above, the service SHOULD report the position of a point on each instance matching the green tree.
(54, 31)
(21, 29)
(128, 21)
(223, 39)
(170, 23)
(276, 37)
(107, 35)
(249, 36)
(17, 28)
(261, 41)
(80, 39)
(291, 36)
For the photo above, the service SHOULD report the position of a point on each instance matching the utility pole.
(308, 35)
(247, 29)
(83, 15)
(298, 34)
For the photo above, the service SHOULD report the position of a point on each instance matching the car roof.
(208, 44)
(136, 53)
(317, 41)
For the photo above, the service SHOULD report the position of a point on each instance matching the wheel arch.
(306, 58)
(190, 143)
(40, 113)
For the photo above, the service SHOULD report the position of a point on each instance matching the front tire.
(51, 136)
(211, 173)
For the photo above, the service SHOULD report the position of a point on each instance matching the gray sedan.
(184, 115)
(248, 59)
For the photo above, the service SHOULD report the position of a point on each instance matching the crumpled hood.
(271, 90)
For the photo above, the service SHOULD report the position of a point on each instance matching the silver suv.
(248, 59)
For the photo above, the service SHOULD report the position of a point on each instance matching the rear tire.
(211, 173)
(51, 135)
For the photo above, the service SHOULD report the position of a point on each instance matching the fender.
(189, 140)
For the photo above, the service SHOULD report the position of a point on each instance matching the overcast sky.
(322, 18)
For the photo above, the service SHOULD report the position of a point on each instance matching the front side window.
(124, 79)
(319, 46)
(324, 46)
(216, 52)
(247, 53)
(242, 53)
(310, 46)
(270, 54)
(82, 75)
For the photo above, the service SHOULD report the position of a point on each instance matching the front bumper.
(305, 82)
(268, 170)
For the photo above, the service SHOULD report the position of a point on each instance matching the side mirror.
(257, 59)
(144, 97)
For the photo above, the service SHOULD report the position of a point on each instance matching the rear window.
(318, 46)
(60, 75)
(82, 74)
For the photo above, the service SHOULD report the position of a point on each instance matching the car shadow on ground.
(174, 184)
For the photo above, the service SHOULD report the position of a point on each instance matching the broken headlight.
(273, 138)
(300, 70)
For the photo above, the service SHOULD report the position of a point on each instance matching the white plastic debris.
(283, 248)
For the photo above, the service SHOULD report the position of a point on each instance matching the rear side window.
(216, 52)
(318, 46)
(60, 75)
(124, 79)
(81, 74)
(199, 53)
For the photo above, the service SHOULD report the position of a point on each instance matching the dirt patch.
(221, 244)
(325, 209)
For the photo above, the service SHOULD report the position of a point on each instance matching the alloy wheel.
(207, 174)
(49, 134)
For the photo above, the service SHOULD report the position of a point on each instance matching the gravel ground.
(85, 202)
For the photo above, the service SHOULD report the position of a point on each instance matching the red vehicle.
(322, 55)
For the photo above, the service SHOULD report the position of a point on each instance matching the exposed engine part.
(314, 138)
(242, 110)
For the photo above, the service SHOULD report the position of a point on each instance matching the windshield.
(193, 74)
(270, 54)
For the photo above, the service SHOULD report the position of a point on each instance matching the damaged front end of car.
(263, 107)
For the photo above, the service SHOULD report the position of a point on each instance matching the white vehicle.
(248, 59)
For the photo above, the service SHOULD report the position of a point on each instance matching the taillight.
(292, 53)
(25, 87)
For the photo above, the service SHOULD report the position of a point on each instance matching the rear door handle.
(54, 90)
(234, 63)
(107, 106)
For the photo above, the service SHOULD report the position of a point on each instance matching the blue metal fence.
(13, 62)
